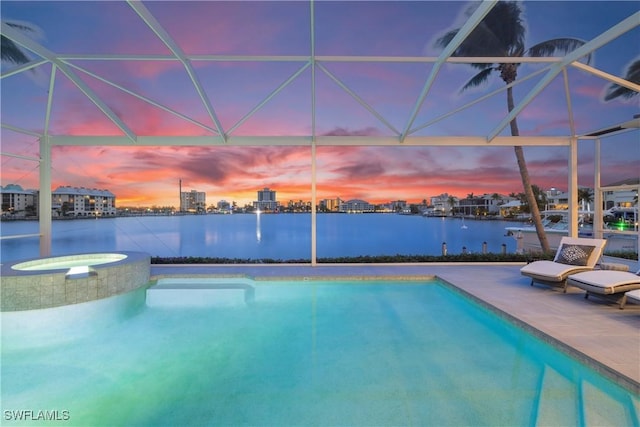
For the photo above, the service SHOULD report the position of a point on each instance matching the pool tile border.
(37, 289)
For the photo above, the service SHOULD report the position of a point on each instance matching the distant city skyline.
(190, 199)
(147, 175)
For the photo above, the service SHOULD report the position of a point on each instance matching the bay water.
(266, 236)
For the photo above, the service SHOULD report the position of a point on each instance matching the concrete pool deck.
(594, 330)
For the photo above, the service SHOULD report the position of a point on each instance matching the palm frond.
(11, 52)
(633, 72)
(616, 91)
(554, 46)
(482, 65)
(478, 79)
(504, 22)
(444, 41)
(21, 26)
(500, 33)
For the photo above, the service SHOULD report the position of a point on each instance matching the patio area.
(594, 331)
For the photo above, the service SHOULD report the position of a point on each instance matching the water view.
(249, 236)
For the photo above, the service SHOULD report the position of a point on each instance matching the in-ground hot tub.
(70, 261)
(71, 279)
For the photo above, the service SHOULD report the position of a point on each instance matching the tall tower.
(266, 200)
(180, 193)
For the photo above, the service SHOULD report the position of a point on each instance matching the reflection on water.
(258, 231)
(250, 236)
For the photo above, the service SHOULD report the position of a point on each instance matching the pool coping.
(550, 315)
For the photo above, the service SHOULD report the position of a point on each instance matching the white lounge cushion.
(605, 282)
(551, 270)
(634, 296)
(574, 255)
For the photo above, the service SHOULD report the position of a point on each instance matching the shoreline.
(459, 217)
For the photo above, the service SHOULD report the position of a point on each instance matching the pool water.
(312, 353)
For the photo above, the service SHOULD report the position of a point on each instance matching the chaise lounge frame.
(607, 284)
(555, 274)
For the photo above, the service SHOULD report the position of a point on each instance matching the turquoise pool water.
(305, 353)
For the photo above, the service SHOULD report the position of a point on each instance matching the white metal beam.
(598, 221)
(573, 56)
(481, 11)
(20, 156)
(164, 36)
(610, 77)
(20, 130)
(44, 198)
(572, 183)
(477, 100)
(50, 92)
(314, 222)
(24, 67)
(418, 141)
(567, 95)
(629, 125)
(144, 98)
(269, 97)
(30, 44)
(358, 99)
(301, 58)
(446, 141)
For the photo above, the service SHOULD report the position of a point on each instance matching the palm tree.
(617, 91)
(585, 195)
(452, 203)
(10, 51)
(502, 34)
(539, 196)
(496, 197)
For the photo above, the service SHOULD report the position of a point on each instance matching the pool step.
(201, 292)
(562, 401)
(597, 408)
(557, 393)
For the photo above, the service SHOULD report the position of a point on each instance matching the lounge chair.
(575, 254)
(633, 295)
(608, 284)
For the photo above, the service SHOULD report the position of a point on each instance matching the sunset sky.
(146, 176)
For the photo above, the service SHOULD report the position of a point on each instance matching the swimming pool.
(309, 353)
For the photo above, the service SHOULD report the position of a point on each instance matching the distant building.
(266, 201)
(356, 206)
(557, 199)
(624, 196)
(398, 205)
(511, 208)
(193, 201)
(18, 202)
(80, 201)
(330, 205)
(299, 206)
(487, 204)
(223, 206)
(440, 205)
